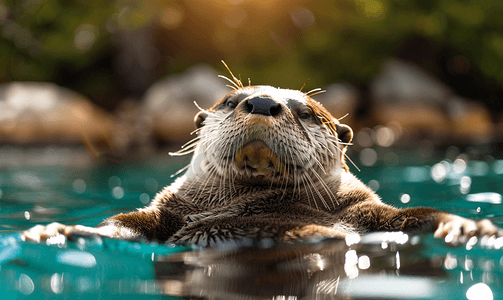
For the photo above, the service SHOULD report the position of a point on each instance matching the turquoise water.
(374, 266)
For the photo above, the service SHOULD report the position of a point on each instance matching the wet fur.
(309, 192)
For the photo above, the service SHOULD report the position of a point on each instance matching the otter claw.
(457, 230)
(41, 233)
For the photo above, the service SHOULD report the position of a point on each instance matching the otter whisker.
(206, 111)
(316, 93)
(311, 91)
(191, 148)
(234, 85)
(348, 158)
(346, 144)
(202, 187)
(226, 171)
(239, 83)
(180, 171)
(305, 178)
(182, 153)
(343, 117)
(326, 188)
(300, 90)
(318, 192)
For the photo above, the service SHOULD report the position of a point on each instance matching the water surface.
(380, 265)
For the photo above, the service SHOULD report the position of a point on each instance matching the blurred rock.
(32, 112)
(133, 129)
(469, 119)
(404, 83)
(170, 102)
(340, 100)
(422, 105)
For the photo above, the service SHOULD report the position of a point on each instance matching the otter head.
(262, 133)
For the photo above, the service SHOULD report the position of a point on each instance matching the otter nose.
(262, 105)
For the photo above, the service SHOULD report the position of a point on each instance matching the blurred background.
(109, 80)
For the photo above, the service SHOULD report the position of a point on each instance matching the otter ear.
(199, 119)
(345, 133)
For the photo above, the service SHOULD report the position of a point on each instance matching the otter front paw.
(41, 233)
(455, 229)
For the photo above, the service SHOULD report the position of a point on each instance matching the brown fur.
(269, 163)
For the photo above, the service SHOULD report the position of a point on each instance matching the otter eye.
(231, 104)
(304, 116)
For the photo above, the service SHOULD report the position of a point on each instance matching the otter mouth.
(258, 157)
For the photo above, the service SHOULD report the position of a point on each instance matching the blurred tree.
(107, 50)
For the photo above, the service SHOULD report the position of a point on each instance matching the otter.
(269, 163)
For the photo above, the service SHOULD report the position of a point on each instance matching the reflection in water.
(328, 269)
(390, 265)
(26, 285)
(488, 197)
(479, 291)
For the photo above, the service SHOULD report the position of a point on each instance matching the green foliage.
(285, 43)
(40, 36)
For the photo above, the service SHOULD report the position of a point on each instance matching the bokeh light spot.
(302, 17)
(405, 198)
(368, 157)
(385, 137)
(118, 192)
(84, 37)
(144, 198)
(479, 291)
(374, 185)
(171, 17)
(79, 186)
